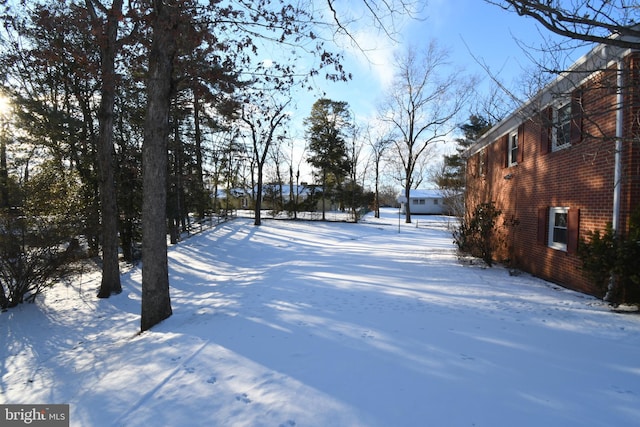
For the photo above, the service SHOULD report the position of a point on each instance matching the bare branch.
(613, 23)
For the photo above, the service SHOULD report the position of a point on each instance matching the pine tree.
(452, 177)
(327, 129)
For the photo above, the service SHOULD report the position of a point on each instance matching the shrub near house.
(562, 166)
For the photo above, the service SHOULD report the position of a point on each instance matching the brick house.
(565, 163)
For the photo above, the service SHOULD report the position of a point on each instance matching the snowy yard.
(327, 324)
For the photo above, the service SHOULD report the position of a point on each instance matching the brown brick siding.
(579, 177)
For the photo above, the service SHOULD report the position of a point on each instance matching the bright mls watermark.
(34, 415)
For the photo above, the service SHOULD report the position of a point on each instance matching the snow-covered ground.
(327, 324)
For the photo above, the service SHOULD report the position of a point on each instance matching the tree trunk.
(201, 203)
(376, 202)
(126, 238)
(324, 193)
(4, 175)
(292, 202)
(156, 301)
(279, 182)
(110, 283)
(4, 301)
(258, 207)
(407, 204)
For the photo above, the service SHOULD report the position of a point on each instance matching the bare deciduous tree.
(263, 118)
(425, 97)
(379, 142)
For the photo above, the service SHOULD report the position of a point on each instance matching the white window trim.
(513, 137)
(554, 131)
(552, 219)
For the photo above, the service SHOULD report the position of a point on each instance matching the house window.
(422, 201)
(482, 167)
(561, 137)
(513, 149)
(435, 201)
(558, 228)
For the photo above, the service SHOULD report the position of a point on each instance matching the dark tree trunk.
(407, 204)
(258, 207)
(4, 175)
(126, 237)
(110, 283)
(324, 194)
(377, 195)
(156, 302)
(201, 194)
(411, 161)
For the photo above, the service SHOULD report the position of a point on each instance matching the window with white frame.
(513, 149)
(561, 126)
(558, 231)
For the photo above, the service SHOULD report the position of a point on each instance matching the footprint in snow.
(289, 423)
(212, 380)
(189, 370)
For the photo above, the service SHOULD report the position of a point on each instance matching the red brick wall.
(631, 160)
(579, 177)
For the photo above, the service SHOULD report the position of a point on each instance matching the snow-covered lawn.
(327, 324)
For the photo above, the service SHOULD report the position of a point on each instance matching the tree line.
(118, 107)
(127, 117)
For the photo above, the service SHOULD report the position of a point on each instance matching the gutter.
(617, 176)
(597, 58)
(617, 173)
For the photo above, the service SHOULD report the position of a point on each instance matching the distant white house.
(426, 202)
(289, 192)
(238, 198)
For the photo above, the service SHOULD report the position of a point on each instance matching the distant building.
(234, 198)
(424, 202)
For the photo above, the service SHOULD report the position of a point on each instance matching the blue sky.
(462, 26)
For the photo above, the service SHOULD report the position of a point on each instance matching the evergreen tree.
(451, 178)
(105, 29)
(327, 129)
(156, 300)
